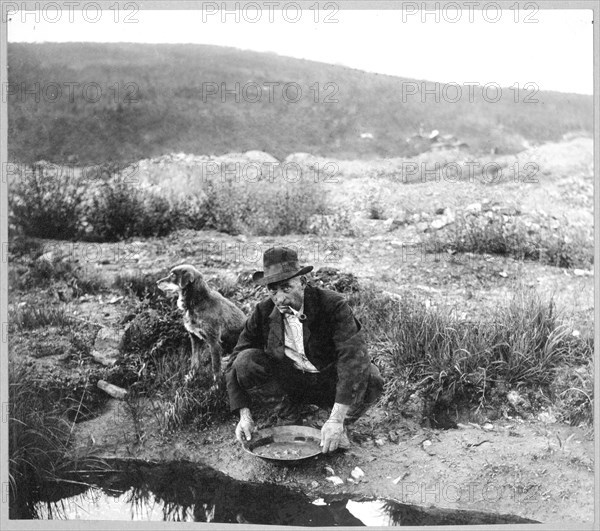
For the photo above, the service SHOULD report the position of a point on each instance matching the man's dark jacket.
(332, 335)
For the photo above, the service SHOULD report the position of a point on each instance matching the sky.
(550, 48)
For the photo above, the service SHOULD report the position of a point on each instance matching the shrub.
(45, 203)
(449, 360)
(262, 208)
(113, 211)
(157, 217)
(544, 238)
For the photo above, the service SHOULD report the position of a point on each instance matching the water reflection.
(183, 491)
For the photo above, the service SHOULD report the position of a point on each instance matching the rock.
(400, 478)
(474, 207)
(107, 339)
(106, 347)
(103, 358)
(357, 473)
(427, 443)
(438, 223)
(112, 390)
(547, 417)
(580, 272)
(336, 480)
(514, 398)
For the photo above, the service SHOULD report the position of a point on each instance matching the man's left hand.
(331, 433)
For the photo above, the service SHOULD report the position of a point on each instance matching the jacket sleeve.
(351, 351)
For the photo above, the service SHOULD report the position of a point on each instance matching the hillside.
(171, 113)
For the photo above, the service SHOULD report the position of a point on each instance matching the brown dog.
(213, 322)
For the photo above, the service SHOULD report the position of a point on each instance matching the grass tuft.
(521, 346)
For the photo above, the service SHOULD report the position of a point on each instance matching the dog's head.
(179, 278)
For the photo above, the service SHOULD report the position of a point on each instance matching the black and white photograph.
(298, 264)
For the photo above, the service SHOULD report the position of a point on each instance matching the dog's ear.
(184, 278)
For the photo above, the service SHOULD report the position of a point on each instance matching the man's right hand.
(245, 426)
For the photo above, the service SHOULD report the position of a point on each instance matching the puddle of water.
(183, 491)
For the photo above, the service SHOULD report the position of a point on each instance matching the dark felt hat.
(279, 263)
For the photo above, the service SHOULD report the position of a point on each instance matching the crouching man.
(306, 342)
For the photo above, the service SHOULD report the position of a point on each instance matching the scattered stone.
(440, 223)
(336, 480)
(581, 272)
(379, 442)
(514, 398)
(547, 417)
(314, 484)
(329, 470)
(103, 359)
(400, 478)
(488, 426)
(357, 473)
(427, 443)
(112, 390)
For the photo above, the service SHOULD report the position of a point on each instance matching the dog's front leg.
(216, 353)
(196, 355)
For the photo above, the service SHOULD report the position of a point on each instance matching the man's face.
(287, 293)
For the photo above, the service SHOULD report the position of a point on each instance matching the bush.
(451, 361)
(262, 208)
(45, 203)
(113, 211)
(543, 239)
(157, 217)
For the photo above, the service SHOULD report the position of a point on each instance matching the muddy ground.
(531, 469)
